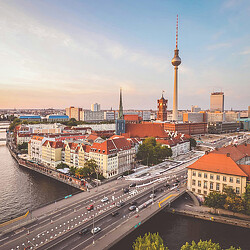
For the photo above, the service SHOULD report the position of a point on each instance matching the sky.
(61, 53)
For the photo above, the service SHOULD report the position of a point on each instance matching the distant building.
(57, 118)
(91, 116)
(215, 116)
(95, 107)
(73, 112)
(248, 111)
(217, 101)
(187, 128)
(223, 127)
(30, 117)
(120, 122)
(195, 108)
(109, 115)
(162, 109)
(193, 117)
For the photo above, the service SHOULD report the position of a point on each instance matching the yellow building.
(214, 171)
(52, 153)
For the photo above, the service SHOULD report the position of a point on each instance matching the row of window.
(224, 178)
(212, 186)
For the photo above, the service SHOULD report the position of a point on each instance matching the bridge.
(56, 226)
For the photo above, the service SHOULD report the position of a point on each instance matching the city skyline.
(69, 53)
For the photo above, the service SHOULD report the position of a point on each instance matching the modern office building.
(217, 101)
(195, 108)
(95, 107)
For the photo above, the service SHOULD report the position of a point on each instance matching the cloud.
(245, 52)
(219, 46)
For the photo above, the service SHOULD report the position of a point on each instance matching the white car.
(95, 230)
(104, 199)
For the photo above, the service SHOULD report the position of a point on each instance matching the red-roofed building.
(134, 119)
(214, 171)
(113, 156)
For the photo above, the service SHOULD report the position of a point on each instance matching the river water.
(22, 189)
(176, 230)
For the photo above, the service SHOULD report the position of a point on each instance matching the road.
(60, 229)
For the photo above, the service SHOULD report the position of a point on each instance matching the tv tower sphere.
(176, 61)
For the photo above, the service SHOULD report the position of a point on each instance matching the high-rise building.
(95, 107)
(217, 101)
(120, 122)
(195, 108)
(162, 109)
(176, 61)
(73, 112)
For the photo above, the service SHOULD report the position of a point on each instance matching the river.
(22, 189)
(176, 230)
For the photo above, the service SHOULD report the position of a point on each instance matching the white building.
(91, 116)
(95, 107)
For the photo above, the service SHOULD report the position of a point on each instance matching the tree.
(149, 241)
(151, 152)
(15, 122)
(215, 200)
(72, 170)
(204, 245)
(192, 142)
(234, 203)
(62, 166)
(246, 199)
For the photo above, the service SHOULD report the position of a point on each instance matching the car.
(95, 230)
(167, 185)
(152, 196)
(132, 203)
(120, 204)
(120, 177)
(115, 213)
(84, 231)
(90, 207)
(132, 208)
(104, 199)
(132, 185)
(125, 190)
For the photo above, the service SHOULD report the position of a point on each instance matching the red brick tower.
(162, 109)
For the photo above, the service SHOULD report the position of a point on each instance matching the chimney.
(206, 152)
(228, 154)
(216, 149)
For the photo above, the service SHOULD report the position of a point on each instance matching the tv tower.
(176, 61)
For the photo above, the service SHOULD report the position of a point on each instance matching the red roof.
(113, 145)
(54, 144)
(236, 152)
(143, 130)
(132, 118)
(246, 169)
(218, 163)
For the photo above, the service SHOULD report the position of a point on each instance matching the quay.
(50, 172)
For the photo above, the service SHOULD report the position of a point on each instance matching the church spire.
(120, 116)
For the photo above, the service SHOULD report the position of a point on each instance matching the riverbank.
(185, 206)
(49, 172)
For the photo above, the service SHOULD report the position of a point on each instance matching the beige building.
(217, 101)
(73, 112)
(228, 166)
(52, 153)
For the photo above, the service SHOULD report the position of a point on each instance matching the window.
(193, 182)
(211, 185)
(211, 176)
(199, 174)
(217, 187)
(217, 177)
(205, 192)
(238, 180)
(237, 190)
(224, 178)
(205, 184)
(205, 175)
(193, 189)
(194, 173)
(199, 183)
(199, 191)
(231, 179)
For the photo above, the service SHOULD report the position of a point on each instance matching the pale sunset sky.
(60, 53)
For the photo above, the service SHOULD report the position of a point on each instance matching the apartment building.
(229, 166)
(114, 156)
(52, 153)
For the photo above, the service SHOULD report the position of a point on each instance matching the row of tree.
(151, 152)
(229, 200)
(90, 170)
(153, 241)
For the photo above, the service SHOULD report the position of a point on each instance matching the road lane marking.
(171, 195)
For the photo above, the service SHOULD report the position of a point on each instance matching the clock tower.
(162, 109)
